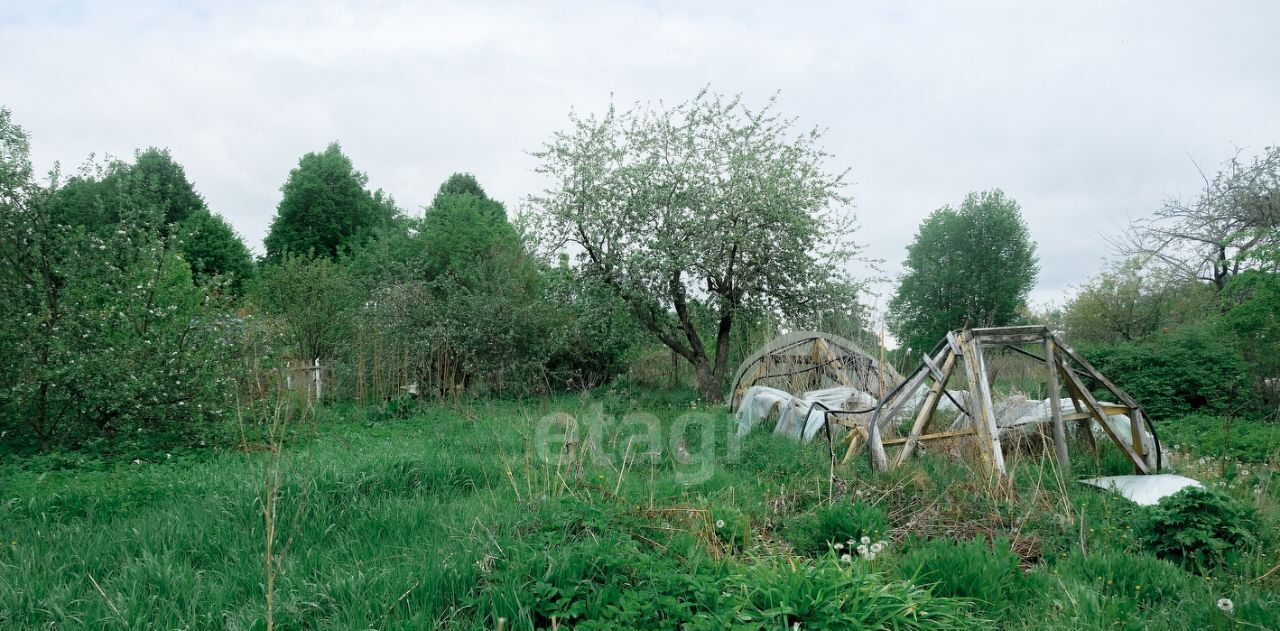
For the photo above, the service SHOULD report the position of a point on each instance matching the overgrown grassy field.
(479, 515)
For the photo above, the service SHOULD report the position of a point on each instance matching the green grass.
(448, 519)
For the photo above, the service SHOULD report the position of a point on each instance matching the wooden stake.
(925, 417)
(1059, 429)
(989, 413)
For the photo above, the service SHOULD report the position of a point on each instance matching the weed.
(818, 532)
(1200, 528)
(976, 570)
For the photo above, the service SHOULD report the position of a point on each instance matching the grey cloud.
(1086, 113)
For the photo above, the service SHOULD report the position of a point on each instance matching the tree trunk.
(710, 381)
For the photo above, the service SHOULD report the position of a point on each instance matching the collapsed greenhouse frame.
(967, 348)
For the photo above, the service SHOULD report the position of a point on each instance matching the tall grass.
(355, 519)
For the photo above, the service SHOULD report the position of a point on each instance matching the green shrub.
(1199, 528)
(1172, 374)
(815, 533)
(968, 569)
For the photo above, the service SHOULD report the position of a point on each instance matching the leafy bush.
(1199, 528)
(1172, 374)
(815, 533)
(968, 569)
(104, 331)
(311, 297)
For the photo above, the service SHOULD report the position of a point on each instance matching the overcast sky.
(1087, 113)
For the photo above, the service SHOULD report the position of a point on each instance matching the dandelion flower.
(866, 540)
(839, 546)
(719, 524)
(846, 558)
(1226, 606)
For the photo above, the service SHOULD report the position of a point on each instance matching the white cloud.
(1086, 113)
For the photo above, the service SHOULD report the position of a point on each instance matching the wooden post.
(856, 433)
(875, 448)
(993, 431)
(1153, 462)
(925, 417)
(982, 410)
(1059, 430)
(318, 381)
(887, 409)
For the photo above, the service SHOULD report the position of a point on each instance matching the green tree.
(102, 332)
(458, 290)
(459, 184)
(311, 297)
(325, 207)
(705, 202)
(100, 199)
(214, 249)
(1251, 304)
(1127, 303)
(1233, 225)
(971, 266)
(459, 229)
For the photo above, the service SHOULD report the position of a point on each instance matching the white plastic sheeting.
(797, 416)
(1018, 416)
(1143, 490)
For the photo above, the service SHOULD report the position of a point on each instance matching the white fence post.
(319, 382)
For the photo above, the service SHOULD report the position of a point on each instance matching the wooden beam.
(891, 407)
(835, 364)
(993, 431)
(1100, 416)
(1030, 329)
(1121, 395)
(926, 437)
(1110, 410)
(925, 416)
(982, 410)
(1085, 418)
(888, 409)
(953, 343)
(1012, 338)
(1059, 429)
(875, 448)
(857, 433)
(1136, 429)
(934, 371)
(1136, 417)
